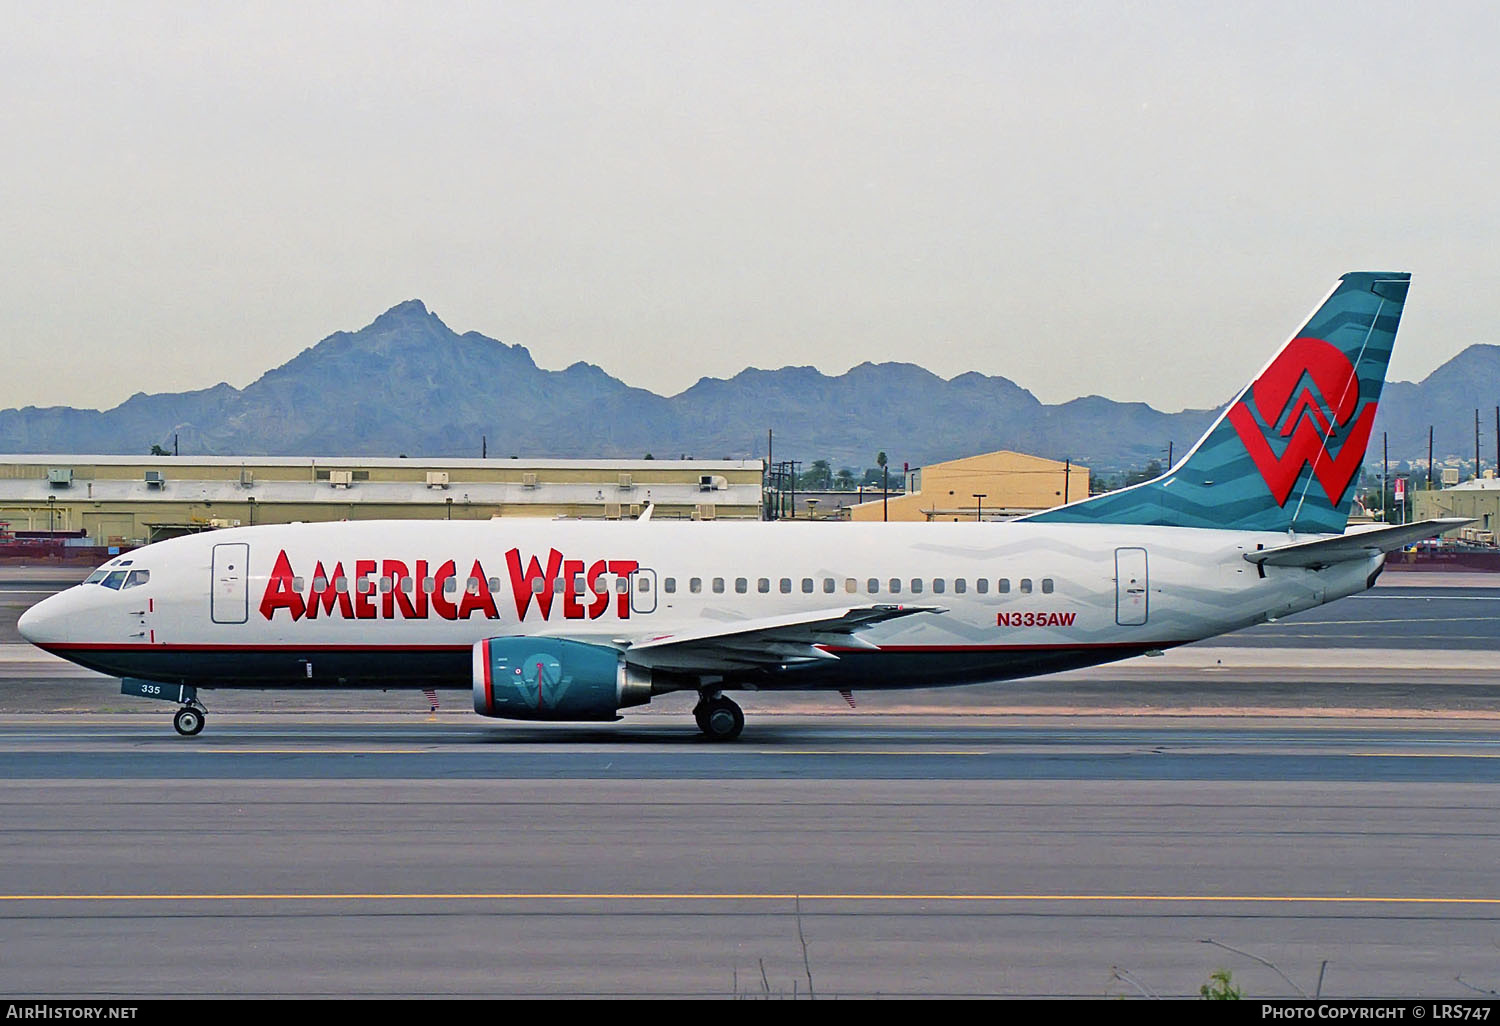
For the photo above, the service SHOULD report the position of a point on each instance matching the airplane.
(577, 620)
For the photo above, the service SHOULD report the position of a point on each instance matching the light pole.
(979, 498)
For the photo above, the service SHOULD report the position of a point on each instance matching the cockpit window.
(115, 579)
(137, 578)
(95, 577)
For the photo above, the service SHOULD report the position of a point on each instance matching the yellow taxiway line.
(517, 896)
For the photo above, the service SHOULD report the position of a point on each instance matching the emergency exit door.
(231, 594)
(643, 591)
(1131, 594)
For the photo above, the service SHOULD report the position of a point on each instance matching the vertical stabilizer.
(1286, 454)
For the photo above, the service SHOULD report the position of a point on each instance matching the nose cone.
(43, 623)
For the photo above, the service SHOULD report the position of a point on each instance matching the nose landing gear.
(189, 719)
(719, 718)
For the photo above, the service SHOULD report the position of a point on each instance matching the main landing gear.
(719, 718)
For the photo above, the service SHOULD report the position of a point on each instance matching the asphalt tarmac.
(1316, 790)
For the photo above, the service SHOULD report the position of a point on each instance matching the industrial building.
(131, 500)
(992, 486)
(1478, 499)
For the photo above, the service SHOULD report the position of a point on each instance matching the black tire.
(722, 720)
(188, 721)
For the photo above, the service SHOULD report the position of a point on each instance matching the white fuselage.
(389, 604)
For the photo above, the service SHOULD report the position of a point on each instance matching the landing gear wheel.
(719, 719)
(188, 721)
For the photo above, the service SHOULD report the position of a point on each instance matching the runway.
(1084, 835)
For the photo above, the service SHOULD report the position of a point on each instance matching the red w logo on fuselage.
(1307, 417)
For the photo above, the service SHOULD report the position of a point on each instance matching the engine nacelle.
(555, 679)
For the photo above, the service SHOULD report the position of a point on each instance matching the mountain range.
(408, 384)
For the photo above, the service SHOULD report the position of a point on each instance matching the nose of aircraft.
(43, 622)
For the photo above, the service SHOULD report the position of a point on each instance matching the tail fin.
(1285, 454)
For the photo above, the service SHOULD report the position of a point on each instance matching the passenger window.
(340, 585)
(642, 584)
(895, 585)
(807, 585)
(408, 586)
(363, 585)
(1004, 588)
(385, 585)
(741, 585)
(473, 586)
(828, 585)
(137, 578)
(579, 584)
(429, 585)
(669, 586)
(297, 582)
(115, 579)
(872, 586)
(622, 585)
(538, 585)
(938, 587)
(982, 586)
(851, 585)
(763, 585)
(1046, 586)
(916, 585)
(450, 586)
(960, 586)
(718, 585)
(1026, 586)
(786, 585)
(558, 584)
(695, 585)
(494, 584)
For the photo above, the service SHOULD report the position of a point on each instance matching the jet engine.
(555, 679)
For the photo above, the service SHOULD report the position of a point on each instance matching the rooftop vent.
(155, 479)
(59, 477)
(341, 478)
(437, 479)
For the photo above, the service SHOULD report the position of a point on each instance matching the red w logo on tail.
(1306, 418)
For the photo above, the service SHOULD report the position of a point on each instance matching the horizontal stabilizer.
(1315, 555)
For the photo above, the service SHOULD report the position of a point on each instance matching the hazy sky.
(1138, 200)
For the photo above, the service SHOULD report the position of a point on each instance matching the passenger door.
(231, 584)
(1132, 596)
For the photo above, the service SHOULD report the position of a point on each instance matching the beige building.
(1010, 483)
(133, 500)
(1477, 499)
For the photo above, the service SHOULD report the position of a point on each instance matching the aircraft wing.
(1355, 545)
(772, 641)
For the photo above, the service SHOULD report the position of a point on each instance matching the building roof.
(312, 462)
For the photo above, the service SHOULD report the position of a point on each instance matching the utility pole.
(979, 498)
(1476, 443)
(1068, 476)
(1169, 454)
(1429, 457)
(885, 495)
(766, 477)
(484, 447)
(1385, 477)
